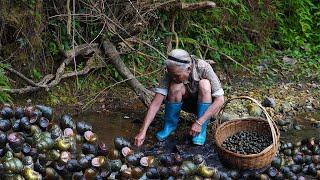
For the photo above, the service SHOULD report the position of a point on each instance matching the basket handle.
(274, 129)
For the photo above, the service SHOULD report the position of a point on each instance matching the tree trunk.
(112, 54)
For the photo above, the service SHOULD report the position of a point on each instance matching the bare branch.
(84, 49)
(189, 6)
(69, 18)
(22, 76)
(196, 6)
(113, 55)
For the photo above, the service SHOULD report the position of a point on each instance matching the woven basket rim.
(231, 121)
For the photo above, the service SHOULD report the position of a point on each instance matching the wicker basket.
(229, 128)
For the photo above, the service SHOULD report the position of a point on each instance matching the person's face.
(177, 74)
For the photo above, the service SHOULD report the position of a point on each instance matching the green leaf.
(36, 74)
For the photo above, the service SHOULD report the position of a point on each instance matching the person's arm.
(212, 110)
(217, 94)
(151, 113)
(216, 90)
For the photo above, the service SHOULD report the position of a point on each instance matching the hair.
(180, 54)
(182, 66)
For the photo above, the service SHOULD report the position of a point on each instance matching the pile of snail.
(34, 146)
(298, 160)
(247, 142)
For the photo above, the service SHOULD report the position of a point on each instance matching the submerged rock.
(268, 102)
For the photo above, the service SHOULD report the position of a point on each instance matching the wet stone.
(268, 102)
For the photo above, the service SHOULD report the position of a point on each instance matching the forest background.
(82, 52)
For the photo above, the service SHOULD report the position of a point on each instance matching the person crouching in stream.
(190, 84)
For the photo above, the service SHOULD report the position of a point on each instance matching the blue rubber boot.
(171, 118)
(201, 137)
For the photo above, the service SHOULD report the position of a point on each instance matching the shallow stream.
(109, 125)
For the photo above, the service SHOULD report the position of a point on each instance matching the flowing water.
(306, 132)
(109, 125)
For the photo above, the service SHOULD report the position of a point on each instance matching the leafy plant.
(4, 84)
(36, 74)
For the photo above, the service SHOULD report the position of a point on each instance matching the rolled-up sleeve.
(162, 88)
(216, 87)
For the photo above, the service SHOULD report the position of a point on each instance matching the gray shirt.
(200, 70)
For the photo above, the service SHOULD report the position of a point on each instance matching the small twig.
(73, 40)
(8, 58)
(228, 57)
(102, 29)
(173, 31)
(149, 45)
(66, 15)
(159, 5)
(137, 11)
(68, 18)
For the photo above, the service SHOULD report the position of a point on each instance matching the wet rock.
(254, 110)
(285, 107)
(298, 127)
(316, 124)
(289, 61)
(261, 68)
(283, 122)
(228, 116)
(316, 104)
(268, 102)
(309, 108)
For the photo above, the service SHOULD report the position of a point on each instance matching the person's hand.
(195, 129)
(139, 139)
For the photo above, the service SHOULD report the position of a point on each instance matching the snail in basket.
(245, 142)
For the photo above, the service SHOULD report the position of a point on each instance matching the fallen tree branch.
(24, 90)
(119, 82)
(46, 79)
(22, 76)
(188, 6)
(84, 49)
(29, 89)
(112, 54)
(196, 6)
(51, 80)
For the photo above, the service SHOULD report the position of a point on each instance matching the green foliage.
(4, 97)
(29, 3)
(53, 49)
(298, 22)
(240, 29)
(36, 74)
(249, 30)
